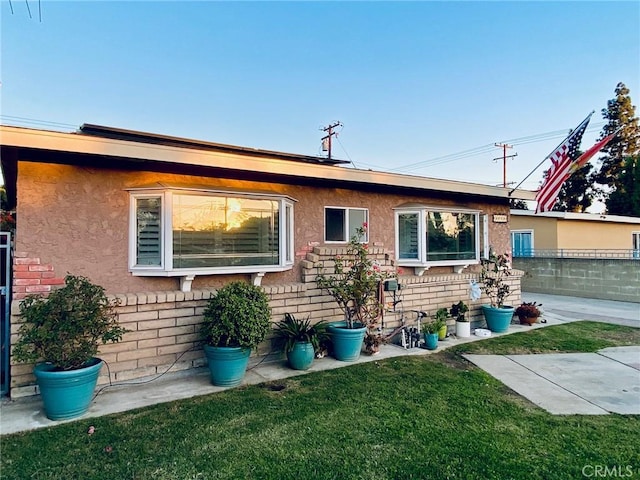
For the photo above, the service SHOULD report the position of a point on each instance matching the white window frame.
(346, 225)
(285, 248)
(635, 244)
(421, 264)
(522, 230)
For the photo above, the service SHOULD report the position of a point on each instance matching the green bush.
(238, 315)
(66, 327)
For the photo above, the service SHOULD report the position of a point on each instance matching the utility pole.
(326, 140)
(504, 157)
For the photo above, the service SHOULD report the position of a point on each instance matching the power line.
(541, 137)
(34, 121)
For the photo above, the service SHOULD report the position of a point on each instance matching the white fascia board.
(93, 145)
(589, 217)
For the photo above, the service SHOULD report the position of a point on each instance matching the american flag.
(561, 160)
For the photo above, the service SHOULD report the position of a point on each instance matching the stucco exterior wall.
(545, 235)
(575, 234)
(552, 233)
(75, 219)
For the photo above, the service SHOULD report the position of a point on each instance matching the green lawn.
(433, 416)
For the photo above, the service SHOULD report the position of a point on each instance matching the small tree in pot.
(493, 276)
(64, 330)
(236, 319)
(355, 285)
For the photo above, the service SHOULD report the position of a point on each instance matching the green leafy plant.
(292, 330)
(441, 315)
(493, 275)
(432, 327)
(66, 327)
(458, 311)
(237, 315)
(355, 283)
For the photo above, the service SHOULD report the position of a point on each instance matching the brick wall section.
(165, 326)
(30, 275)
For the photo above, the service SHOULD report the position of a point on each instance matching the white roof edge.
(86, 144)
(593, 217)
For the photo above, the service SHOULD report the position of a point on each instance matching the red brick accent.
(30, 275)
(27, 261)
(38, 288)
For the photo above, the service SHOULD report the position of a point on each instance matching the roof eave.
(166, 154)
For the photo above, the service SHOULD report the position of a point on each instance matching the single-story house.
(572, 233)
(161, 221)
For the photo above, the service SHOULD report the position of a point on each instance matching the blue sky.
(413, 83)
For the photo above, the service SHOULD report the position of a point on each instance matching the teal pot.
(347, 342)
(301, 356)
(67, 393)
(498, 319)
(431, 340)
(227, 365)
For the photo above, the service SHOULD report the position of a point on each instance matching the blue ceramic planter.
(68, 393)
(431, 341)
(498, 319)
(300, 357)
(227, 365)
(347, 342)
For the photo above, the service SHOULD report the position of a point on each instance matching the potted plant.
(528, 312)
(493, 276)
(63, 331)
(355, 286)
(300, 340)
(372, 342)
(463, 326)
(441, 321)
(431, 335)
(236, 319)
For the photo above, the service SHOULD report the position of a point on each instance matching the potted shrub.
(463, 326)
(431, 335)
(63, 331)
(441, 321)
(372, 342)
(300, 340)
(236, 319)
(495, 271)
(355, 286)
(528, 312)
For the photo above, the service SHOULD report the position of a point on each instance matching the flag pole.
(551, 153)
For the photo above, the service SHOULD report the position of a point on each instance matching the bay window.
(178, 232)
(428, 236)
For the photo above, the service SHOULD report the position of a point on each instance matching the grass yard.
(434, 416)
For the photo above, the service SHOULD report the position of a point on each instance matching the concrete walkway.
(26, 413)
(572, 383)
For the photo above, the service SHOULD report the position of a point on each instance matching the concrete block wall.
(603, 278)
(165, 326)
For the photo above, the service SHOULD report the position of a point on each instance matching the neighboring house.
(161, 221)
(577, 234)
